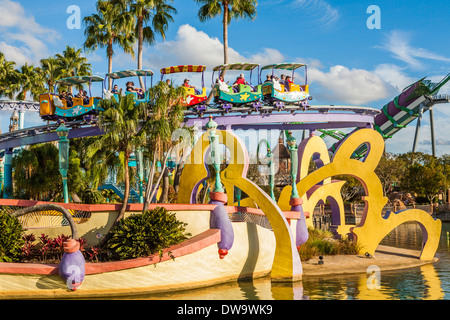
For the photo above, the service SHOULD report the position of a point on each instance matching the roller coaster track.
(8, 105)
(393, 117)
(265, 117)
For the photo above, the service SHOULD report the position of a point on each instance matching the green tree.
(37, 176)
(99, 165)
(390, 170)
(110, 26)
(445, 162)
(424, 175)
(155, 12)
(228, 9)
(36, 173)
(51, 71)
(8, 77)
(165, 116)
(72, 63)
(29, 80)
(120, 122)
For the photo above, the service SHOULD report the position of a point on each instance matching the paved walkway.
(385, 257)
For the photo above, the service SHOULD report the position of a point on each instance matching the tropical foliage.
(11, 241)
(120, 122)
(164, 117)
(229, 10)
(151, 18)
(30, 79)
(108, 27)
(37, 177)
(7, 77)
(144, 234)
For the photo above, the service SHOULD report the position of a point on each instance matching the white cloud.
(324, 14)
(19, 55)
(337, 85)
(398, 43)
(191, 47)
(394, 76)
(349, 86)
(24, 40)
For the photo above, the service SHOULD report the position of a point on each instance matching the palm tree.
(165, 116)
(120, 122)
(51, 71)
(110, 26)
(8, 77)
(144, 11)
(72, 64)
(35, 170)
(100, 164)
(229, 9)
(29, 79)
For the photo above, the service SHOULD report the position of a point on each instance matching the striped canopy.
(79, 80)
(129, 73)
(285, 66)
(237, 66)
(183, 68)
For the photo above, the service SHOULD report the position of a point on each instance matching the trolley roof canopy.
(183, 68)
(130, 73)
(236, 66)
(79, 80)
(284, 66)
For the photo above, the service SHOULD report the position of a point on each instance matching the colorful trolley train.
(226, 95)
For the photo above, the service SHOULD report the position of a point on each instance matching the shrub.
(144, 234)
(321, 243)
(11, 241)
(90, 196)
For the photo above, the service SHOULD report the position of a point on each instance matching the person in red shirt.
(187, 85)
(239, 80)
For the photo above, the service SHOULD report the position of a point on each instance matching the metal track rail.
(246, 117)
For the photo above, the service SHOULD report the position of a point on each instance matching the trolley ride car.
(238, 94)
(139, 98)
(53, 106)
(281, 92)
(193, 98)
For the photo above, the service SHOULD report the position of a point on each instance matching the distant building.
(14, 121)
(282, 160)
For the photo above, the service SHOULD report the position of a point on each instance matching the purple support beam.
(289, 121)
(280, 119)
(392, 110)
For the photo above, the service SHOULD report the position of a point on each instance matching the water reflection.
(429, 282)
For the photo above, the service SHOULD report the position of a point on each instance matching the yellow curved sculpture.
(373, 227)
(286, 264)
(315, 148)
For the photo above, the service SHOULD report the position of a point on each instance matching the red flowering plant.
(29, 248)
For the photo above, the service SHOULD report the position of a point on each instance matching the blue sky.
(348, 62)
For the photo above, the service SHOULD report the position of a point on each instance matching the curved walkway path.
(385, 257)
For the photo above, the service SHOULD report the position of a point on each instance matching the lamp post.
(271, 173)
(219, 218)
(1, 175)
(293, 149)
(140, 171)
(63, 133)
(295, 201)
(215, 154)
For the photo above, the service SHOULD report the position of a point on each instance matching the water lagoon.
(428, 282)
